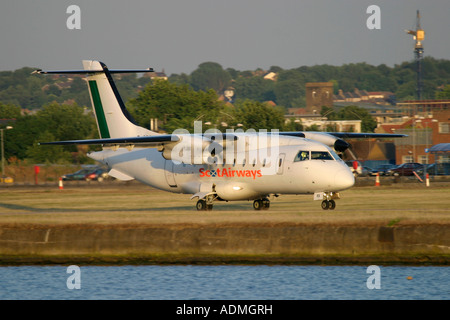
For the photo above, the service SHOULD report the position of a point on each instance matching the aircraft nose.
(344, 179)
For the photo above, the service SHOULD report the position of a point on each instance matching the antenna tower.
(418, 36)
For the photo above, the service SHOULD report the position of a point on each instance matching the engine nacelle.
(192, 149)
(328, 139)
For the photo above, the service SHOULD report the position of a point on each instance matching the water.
(223, 283)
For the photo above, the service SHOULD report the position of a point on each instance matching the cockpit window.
(321, 155)
(302, 156)
(335, 155)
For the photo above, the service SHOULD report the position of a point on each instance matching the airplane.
(213, 166)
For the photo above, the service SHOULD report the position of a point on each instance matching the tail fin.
(113, 119)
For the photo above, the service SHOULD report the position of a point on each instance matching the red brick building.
(426, 123)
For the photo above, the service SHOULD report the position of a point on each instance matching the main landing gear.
(206, 204)
(261, 204)
(203, 206)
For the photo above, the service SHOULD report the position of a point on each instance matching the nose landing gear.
(328, 198)
(328, 204)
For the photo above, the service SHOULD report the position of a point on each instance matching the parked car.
(405, 169)
(366, 171)
(435, 169)
(79, 175)
(382, 169)
(97, 174)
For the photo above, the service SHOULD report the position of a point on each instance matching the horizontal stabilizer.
(40, 71)
(141, 141)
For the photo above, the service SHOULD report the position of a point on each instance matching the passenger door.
(168, 172)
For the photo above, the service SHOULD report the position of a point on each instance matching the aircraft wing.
(304, 134)
(336, 139)
(332, 139)
(366, 135)
(146, 141)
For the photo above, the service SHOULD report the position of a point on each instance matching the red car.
(405, 169)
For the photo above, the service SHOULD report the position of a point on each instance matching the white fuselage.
(246, 179)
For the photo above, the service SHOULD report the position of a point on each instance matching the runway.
(135, 224)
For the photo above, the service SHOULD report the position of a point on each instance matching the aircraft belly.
(145, 165)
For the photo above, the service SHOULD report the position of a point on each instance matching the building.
(271, 76)
(321, 123)
(318, 94)
(156, 75)
(426, 123)
(357, 96)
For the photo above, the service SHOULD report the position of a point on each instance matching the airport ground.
(116, 222)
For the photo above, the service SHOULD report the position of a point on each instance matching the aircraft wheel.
(325, 204)
(201, 205)
(332, 205)
(257, 204)
(209, 207)
(266, 203)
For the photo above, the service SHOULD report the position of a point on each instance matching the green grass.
(139, 204)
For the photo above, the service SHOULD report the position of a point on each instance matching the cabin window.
(321, 155)
(302, 156)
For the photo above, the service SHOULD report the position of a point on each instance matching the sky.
(178, 35)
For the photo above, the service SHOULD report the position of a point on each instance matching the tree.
(255, 88)
(176, 106)
(210, 75)
(47, 154)
(65, 122)
(444, 94)
(290, 89)
(368, 124)
(8, 111)
(59, 122)
(256, 115)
